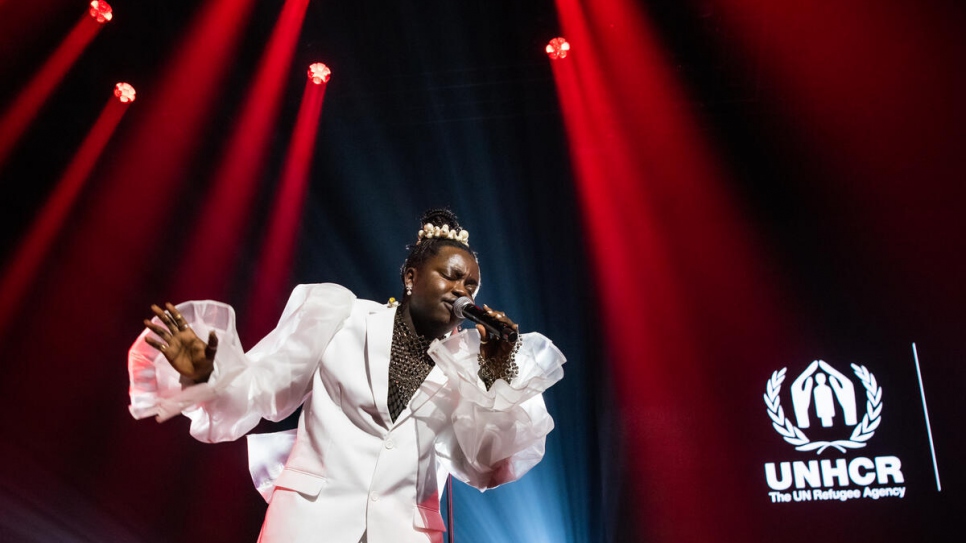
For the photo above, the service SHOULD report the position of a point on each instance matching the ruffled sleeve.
(269, 381)
(495, 436)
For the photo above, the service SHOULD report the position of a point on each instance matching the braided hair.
(427, 248)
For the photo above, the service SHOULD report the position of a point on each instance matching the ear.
(409, 276)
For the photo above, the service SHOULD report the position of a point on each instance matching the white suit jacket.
(351, 471)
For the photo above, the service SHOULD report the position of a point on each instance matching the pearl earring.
(409, 290)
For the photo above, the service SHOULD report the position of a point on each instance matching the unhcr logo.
(826, 402)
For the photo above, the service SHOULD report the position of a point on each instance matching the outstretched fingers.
(153, 342)
(161, 331)
(170, 330)
(212, 346)
(165, 318)
(176, 317)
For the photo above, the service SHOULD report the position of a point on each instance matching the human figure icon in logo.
(844, 392)
(821, 387)
(824, 405)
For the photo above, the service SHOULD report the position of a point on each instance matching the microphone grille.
(459, 305)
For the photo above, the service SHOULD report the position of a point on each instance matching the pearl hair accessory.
(432, 231)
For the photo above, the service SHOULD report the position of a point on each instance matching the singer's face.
(436, 285)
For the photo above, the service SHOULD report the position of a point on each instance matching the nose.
(460, 290)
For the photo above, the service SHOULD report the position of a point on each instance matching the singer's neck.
(421, 326)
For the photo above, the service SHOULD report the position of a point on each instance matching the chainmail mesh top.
(409, 364)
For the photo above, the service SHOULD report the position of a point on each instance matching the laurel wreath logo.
(863, 431)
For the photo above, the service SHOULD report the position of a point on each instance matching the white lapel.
(378, 345)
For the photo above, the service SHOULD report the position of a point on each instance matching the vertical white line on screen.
(925, 411)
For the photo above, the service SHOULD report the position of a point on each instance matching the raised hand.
(187, 353)
(495, 348)
(496, 354)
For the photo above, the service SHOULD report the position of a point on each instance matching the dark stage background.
(702, 193)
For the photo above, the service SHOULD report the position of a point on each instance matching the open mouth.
(448, 304)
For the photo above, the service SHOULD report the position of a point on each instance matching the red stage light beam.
(263, 307)
(211, 257)
(275, 259)
(25, 107)
(27, 259)
(665, 233)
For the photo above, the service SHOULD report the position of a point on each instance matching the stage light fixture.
(319, 73)
(558, 48)
(124, 92)
(101, 11)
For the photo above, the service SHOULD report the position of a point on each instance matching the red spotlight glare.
(319, 73)
(101, 11)
(558, 48)
(124, 92)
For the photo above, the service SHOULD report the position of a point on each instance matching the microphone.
(464, 308)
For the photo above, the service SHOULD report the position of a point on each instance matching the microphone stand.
(449, 508)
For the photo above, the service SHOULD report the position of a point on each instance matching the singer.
(394, 397)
